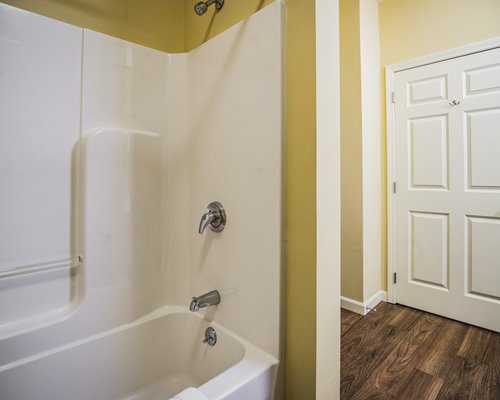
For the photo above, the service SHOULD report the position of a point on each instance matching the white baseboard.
(367, 306)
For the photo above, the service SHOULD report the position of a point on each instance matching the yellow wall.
(351, 152)
(414, 28)
(300, 342)
(158, 24)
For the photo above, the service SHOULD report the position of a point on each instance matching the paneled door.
(447, 201)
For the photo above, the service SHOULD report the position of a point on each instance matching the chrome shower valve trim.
(213, 218)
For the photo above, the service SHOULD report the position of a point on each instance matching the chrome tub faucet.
(211, 298)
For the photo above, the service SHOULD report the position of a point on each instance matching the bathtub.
(153, 358)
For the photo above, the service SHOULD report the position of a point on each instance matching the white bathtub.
(153, 358)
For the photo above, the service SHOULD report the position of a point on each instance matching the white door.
(447, 201)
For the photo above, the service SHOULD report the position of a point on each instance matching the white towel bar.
(16, 270)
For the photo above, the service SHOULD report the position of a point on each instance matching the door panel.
(431, 89)
(429, 248)
(429, 152)
(482, 80)
(483, 150)
(483, 239)
(447, 209)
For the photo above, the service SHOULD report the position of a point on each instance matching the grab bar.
(16, 270)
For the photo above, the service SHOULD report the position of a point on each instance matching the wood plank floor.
(399, 353)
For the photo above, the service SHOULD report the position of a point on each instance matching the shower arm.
(218, 3)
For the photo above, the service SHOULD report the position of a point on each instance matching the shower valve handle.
(214, 217)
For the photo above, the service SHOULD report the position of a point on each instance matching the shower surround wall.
(225, 123)
(211, 123)
(235, 120)
(39, 125)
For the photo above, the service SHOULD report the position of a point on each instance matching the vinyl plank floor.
(401, 353)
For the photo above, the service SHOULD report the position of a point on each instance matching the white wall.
(224, 144)
(213, 121)
(124, 86)
(39, 127)
(235, 148)
(328, 200)
(176, 185)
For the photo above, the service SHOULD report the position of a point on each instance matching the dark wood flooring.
(399, 353)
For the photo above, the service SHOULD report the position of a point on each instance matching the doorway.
(444, 209)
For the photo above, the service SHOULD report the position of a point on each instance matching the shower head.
(201, 7)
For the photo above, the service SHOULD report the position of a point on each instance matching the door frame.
(390, 72)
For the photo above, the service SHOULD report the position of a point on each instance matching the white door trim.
(390, 70)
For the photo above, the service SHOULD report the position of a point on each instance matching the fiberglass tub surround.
(135, 362)
(108, 155)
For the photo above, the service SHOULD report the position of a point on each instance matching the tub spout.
(205, 300)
